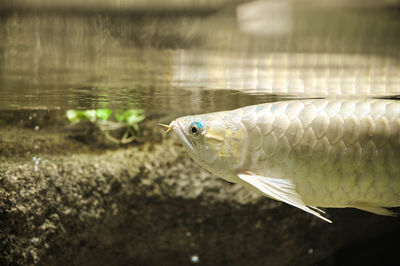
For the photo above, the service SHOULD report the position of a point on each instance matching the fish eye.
(195, 128)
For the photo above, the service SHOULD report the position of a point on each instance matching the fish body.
(307, 153)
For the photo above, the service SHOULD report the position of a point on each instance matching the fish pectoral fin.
(317, 209)
(280, 189)
(374, 209)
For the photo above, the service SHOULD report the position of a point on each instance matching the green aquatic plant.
(101, 118)
(75, 116)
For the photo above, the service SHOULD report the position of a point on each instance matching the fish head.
(213, 140)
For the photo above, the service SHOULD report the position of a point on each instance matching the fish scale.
(327, 137)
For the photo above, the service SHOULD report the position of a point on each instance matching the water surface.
(196, 59)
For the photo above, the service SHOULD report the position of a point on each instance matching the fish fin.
(374, 209)
(317, 209)
(280, 189)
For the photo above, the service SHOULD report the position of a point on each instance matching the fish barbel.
(306, 153)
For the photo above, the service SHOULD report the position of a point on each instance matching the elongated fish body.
(317, 153)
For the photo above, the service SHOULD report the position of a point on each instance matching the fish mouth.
(178, 129)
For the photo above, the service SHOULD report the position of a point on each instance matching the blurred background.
(86, 176)
(57, 54)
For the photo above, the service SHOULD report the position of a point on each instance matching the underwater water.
(88, 178)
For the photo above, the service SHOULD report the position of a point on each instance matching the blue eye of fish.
(195, 128)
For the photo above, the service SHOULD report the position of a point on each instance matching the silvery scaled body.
(319, 153)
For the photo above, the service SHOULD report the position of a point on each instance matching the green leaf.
(120, 116)
(131, 116)
(134, 116)
(75, 116)
(72, 116)
(91, 115)
(103, 114)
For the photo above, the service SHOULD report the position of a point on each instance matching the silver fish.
(306, 153)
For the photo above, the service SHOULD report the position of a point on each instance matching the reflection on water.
(292, 74)
(175, 60)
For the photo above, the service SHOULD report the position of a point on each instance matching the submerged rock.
(151, 205)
